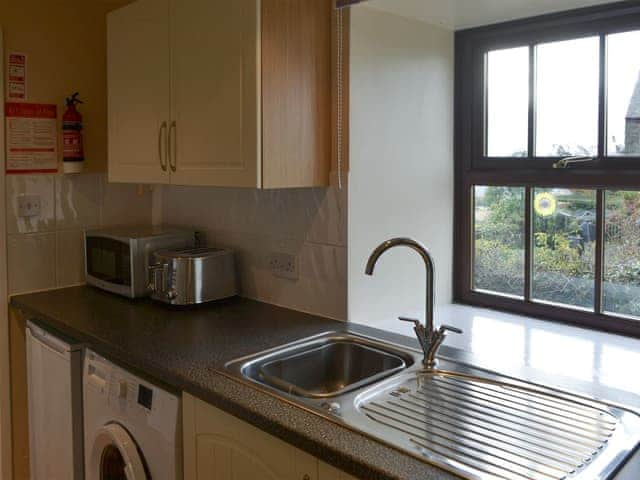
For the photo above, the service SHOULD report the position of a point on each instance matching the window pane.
(499, 240)
(621, 289)
(564, 246)
(623, 85)
(507, 102)
(567, 88)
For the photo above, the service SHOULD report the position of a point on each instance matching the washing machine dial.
(123, 389)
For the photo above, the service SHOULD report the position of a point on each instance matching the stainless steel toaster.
(189, 276)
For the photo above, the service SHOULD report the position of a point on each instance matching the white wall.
(401, 180)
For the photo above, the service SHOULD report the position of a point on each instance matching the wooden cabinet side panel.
(296, 92)
(138, 90)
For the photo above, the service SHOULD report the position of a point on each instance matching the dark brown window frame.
(472, 167)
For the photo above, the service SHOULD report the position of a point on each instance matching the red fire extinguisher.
(72, 151)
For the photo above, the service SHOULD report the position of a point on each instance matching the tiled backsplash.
(46, 251)
(309, 223)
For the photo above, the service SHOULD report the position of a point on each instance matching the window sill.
(587, 362)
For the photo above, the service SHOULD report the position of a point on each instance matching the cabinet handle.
(162, 140)
(172, 146)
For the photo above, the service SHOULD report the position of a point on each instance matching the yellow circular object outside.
(545, 204)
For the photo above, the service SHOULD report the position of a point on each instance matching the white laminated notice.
(32, 138)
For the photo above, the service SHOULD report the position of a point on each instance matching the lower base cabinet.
(327, 472)
(218, 446)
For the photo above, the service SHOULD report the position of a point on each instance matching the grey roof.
(634, 104)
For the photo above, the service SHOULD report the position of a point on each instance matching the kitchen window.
(548, 167)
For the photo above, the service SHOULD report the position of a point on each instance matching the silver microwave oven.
(117, 259)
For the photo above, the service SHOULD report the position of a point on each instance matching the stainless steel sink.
(475, 423)
(324, 367)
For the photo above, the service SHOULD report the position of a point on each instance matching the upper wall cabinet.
(221, 93)
(138, 70)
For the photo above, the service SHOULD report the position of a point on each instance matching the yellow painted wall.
(65, 43)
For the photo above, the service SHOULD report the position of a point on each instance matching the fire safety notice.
(31, 138)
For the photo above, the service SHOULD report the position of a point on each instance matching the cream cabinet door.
(327, 472)
(138, 66)
(218, 446)
(215, 128)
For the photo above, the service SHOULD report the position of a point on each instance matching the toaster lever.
(154, 270)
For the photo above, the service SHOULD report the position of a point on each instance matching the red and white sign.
(17, 77)
(32, 138)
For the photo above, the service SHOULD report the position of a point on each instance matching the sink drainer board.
(497, 430)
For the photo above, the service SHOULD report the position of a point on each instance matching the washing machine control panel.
(130, 393)
(145, 397)
(122, 389)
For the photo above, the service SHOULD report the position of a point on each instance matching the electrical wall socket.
(28, 206)
(283, 265)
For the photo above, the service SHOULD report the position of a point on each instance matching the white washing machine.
(132, 428)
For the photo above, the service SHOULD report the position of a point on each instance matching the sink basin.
(475, 423)
(324, 367)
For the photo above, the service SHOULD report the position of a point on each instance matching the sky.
(567, 85)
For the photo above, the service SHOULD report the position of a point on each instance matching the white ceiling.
(458, 14)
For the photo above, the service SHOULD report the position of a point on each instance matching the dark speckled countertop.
(186, 350)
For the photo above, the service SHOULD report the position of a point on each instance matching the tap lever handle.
(416, 323)
(449, 328)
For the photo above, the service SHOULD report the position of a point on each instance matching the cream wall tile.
(69, 204)
(284, 213)
(328, 214)
(125, 204)
(271, 212)
(32, 262)
(195, 206)
(322, 284)
(309, 294)
(77, 201)
(310, 223)
(316, 215)
(42, 185)
(69, 258)
(327, 263)
(323, 275)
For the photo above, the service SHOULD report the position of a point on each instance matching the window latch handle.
(568, 161)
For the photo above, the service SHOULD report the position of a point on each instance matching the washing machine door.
(115, 456)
